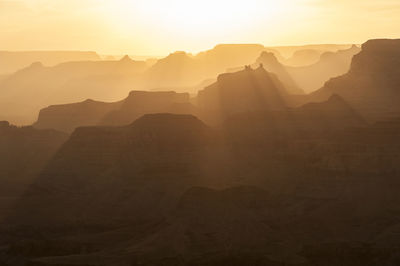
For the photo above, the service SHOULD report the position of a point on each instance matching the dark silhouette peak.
(354, 46)
(377, 58)
(246, 76)
(164, 119)
(169, 126)
(126, 59)
(268, 58)
(89, 101)
(158, 130)
(36, 65)
(336, 98)
(371, 85)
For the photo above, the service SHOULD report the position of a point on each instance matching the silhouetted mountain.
(288, 51)
(13, 61)
(139, 103)
(24, 152)
(176, 70)
(27, 91)
(270, 184)
(371, 85)
(311, 77)
(225, 56)
(271, 64)
(118, 169)
(304, 57)
(330, 65)
(68, 117)
(313, 120)
(130, 190)
(244, 91)
(181, 70)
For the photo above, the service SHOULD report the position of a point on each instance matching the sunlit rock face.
(372, 84)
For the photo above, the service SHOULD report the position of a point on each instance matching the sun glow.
(157, 27)
(184, 19)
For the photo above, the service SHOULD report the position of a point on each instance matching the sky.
(158, 27)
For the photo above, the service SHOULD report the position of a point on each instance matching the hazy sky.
(157, 27)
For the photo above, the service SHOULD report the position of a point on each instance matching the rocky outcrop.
(68, 117)
(371, 85)
(139, 103)
(271, 64)
(244, 91)
(331, 64)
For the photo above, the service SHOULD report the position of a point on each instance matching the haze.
(156, 27)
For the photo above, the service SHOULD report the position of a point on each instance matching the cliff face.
(371, 85)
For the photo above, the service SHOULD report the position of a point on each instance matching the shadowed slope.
(24, 152)
(271, 64)
(111, 175)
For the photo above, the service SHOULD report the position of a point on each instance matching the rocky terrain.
(246, 173)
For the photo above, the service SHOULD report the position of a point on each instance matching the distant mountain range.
(11, 62)
(59, 82)
(68, 117)
(30, 89)
(250, 171)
